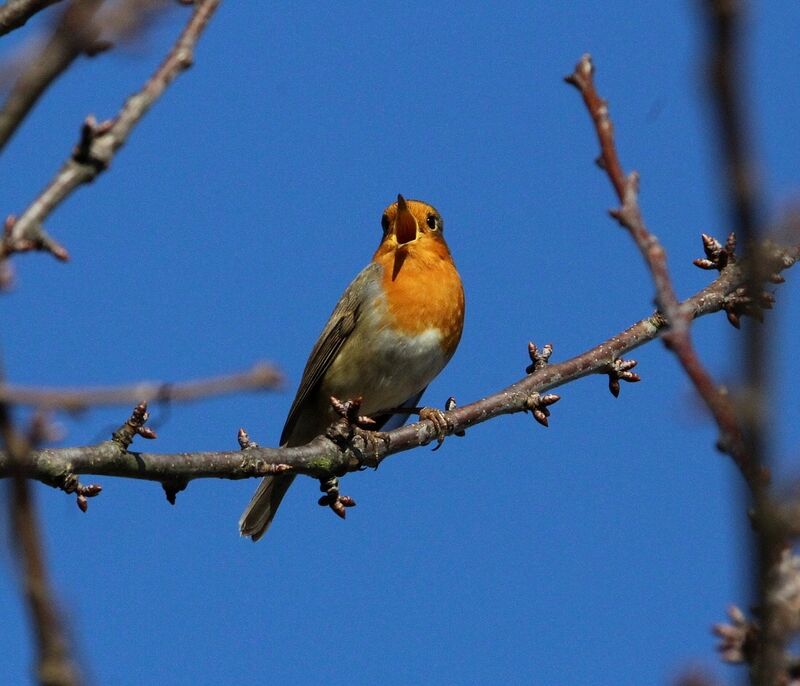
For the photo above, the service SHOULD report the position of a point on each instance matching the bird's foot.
(440, 423)
(352, 425)
(333, 498)
(372, 441)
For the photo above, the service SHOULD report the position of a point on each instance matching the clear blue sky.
(599, 551)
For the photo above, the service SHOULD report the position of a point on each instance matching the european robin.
(392, 331)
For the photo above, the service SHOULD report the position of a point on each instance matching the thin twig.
(260, 377)
(99, 142)
(15, 13)
(677, 338)
(324, 457)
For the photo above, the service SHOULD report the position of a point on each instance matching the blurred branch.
(345, 449)
(74, 33)
(260, 377)
(99, 143)
(739, 178)
(725, 20)
(54, 665)
(15, 13)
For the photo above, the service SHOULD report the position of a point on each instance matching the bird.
(392, 331)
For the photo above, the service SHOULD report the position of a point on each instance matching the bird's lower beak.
(405, 227)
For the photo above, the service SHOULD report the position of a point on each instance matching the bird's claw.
(440, 423)
(371, 442)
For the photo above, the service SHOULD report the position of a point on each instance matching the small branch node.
(619, 370)
(134, 426)
(738, 639)
(718, 256)
(333, 498)
(539, 358)
(583, 74)
(245, 442)
(539, 406)
(450, 404)
(70, 484)
(84, 152)
(173, 487)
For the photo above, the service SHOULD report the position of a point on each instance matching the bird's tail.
(259, 513)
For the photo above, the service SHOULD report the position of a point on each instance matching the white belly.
(385, 368)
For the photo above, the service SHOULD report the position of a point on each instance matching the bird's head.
(407, 222)
(412, 230)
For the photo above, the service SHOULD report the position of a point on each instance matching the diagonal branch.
(99, 142)
(324, 456)
(75, 32)
(15, 13)
(677, 338)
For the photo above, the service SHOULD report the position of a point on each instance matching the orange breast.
(423, 289)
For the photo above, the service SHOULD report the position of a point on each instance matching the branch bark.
(325, 456)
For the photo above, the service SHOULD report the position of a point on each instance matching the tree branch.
(339, 454)
(15, 13)
(677, 338)
(745, 206)
(75, 32)
(260, 377)
(99, 142)
(54, 664)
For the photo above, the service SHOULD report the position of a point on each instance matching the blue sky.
(598, 551)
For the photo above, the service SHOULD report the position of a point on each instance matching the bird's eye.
(432, 222)
(385, 222)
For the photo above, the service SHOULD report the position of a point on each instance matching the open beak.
(405, 226)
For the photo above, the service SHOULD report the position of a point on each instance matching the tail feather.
(259, 513)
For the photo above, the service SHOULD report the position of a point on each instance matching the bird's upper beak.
(405, 225)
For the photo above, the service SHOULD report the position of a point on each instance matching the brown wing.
(340, 325)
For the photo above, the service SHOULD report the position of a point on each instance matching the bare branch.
(99, 142)
(75, 32)
(627, 189)
(324, 457)
(54, 665)
(677, 338)
(740, 183)
(260, 377)
(15, 13)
